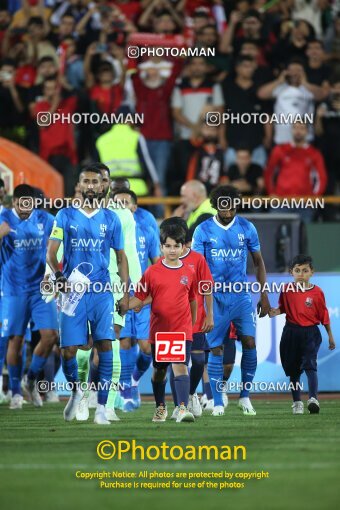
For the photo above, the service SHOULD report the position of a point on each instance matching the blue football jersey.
(225, 248)
(88, 238)
(147, 245)
(23, 251)
(144, 217)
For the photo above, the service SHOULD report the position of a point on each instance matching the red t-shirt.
(305, 308)
(202, 273)
(155, 104)
(171, 289)
(298, 171)
(57, 138)
(107, 100)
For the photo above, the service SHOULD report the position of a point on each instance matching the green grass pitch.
(40, 454)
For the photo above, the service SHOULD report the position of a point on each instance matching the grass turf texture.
(40, 454)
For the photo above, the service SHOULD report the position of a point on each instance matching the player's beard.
(90, 196)
(224, 221)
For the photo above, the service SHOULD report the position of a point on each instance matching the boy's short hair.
(300, 260)
(175, 232)
(23, 190)
(125, 191)
(176, 220)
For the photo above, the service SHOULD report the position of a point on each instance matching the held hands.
(273, 312)
(123, 305)
(263, 306)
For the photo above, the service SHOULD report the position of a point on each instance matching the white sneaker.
(209, 406)
(313, 406)
(184, 415)
(31, 388)
(36, 398)
(70, 410)
(52, 397)
(111, 414)
(174, 413)
(225, 399)
(203, 400)
(100, 416)
(297, 407)
(16, 401)
(194, 405)
(5, 398)
(93, 401)
(82, 413)
(160, 414)
(218, 411)
(245, 405)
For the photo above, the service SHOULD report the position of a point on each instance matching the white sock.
(100, 408)
(1, 382)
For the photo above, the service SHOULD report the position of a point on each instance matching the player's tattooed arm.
(263, 305)
(330, 337)
(123, 271)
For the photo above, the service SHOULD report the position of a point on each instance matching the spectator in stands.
(74, 65)
(195, 205)
(38, 45)
(153, 85)
(245, 175)
(123, 149)
(5, 20)
(57, 143)
(65, 29)
(240, 98)
(293, 95)
(207, 162)
(332, 44)
(262, 73)
(327, 129)
(191, 100)
(292, 43)
(160, 17)
(317, 72)
(296, 168)
(11, 104)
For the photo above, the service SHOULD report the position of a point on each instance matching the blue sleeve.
(154, 250)
(198, 240)
(117, 238)
(253, 241)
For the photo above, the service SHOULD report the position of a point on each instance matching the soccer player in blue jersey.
(88, 234)
(141, 215)
(137, 325)
(225, 240)
(24, 232)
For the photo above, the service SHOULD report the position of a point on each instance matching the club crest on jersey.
(40, 228)
(102, 229)
(184, 280)
(309, 302)
(141, 241)
(241, 239)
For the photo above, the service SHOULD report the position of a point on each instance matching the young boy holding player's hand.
(301, 337)
(172, 286)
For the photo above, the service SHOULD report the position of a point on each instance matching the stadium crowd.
(280, 56)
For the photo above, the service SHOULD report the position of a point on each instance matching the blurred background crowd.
(280, 56)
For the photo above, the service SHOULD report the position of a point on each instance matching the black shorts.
(199, 342)
(158, 364)
(299, 348)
